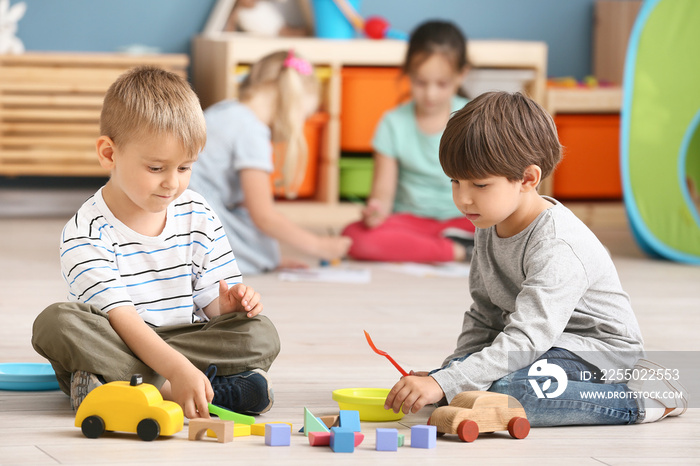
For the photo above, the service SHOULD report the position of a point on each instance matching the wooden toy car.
(128, 407)
(471, 413)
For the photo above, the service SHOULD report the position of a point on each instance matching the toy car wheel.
(468, 431)
(93, 426)
(518, 427)
(148, 429)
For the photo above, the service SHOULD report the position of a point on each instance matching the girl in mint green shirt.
(410, 215)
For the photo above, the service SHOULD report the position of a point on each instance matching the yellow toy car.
(128, 407)
(471, 413)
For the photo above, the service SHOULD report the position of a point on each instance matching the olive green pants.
(76, 336)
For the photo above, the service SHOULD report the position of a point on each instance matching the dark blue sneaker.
(247, 393)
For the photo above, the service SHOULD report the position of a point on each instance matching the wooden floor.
(323, 348)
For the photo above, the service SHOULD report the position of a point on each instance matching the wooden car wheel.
(518, 427)
(148, 429)
(468, 431)
(93, 426)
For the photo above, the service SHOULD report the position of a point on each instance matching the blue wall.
(108, 25)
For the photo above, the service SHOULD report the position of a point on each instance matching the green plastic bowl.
(368, 401)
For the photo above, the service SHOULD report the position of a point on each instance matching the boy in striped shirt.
(153, 284)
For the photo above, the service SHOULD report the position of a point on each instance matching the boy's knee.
(59, 317)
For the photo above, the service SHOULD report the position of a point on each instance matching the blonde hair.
(291, 87)
(499, 134)
(147, 100)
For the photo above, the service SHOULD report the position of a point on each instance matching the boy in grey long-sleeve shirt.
(550, 323)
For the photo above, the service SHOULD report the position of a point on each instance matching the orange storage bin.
(313, 131)
(366, 94)
(590, 168)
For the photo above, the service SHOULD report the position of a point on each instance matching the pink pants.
(405, 238)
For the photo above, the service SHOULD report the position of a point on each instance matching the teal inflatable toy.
(660, 124)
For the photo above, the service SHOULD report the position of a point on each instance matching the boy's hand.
(191, 389)
(413, 392)
(239, 298)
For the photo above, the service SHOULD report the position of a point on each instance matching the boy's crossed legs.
(77, 338)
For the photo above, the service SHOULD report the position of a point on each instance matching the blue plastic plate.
(27, 376)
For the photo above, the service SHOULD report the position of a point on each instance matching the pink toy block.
(359, 437)
(318, 439)
(277, 435)
(423, 436)
(387, 439)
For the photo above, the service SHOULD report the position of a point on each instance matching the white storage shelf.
(215, 60)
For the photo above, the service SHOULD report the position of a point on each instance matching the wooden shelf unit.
(50, 106)
(215, 60)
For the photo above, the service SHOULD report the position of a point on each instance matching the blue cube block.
(387, 439)
(342, 440)
(350, 420)
(278, 435)
(423, 436)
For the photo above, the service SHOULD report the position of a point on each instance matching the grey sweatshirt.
(551, 285)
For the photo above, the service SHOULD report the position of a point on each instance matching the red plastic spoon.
(385, 354)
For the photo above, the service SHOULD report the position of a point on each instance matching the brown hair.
(291, 86)
(148, 100)
(499, 134)
(436, 37)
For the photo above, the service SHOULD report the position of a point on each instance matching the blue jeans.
(583, 402)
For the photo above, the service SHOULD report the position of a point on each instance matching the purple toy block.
(277, 435)
(387, 439)
(342, 440)
(423, 436)
(350, 420)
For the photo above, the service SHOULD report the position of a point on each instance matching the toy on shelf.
(377, 27)
(222, 430)
(471, 413)
(128, 407)
(374, 27)
(9, 17)
(385, 354)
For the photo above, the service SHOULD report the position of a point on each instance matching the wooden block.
(330, 421)
(239, 430)
(222, 429)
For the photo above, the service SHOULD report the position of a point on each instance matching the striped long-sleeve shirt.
(168, 278)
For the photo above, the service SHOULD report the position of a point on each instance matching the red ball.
(376, 27)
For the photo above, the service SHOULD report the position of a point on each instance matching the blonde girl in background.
(233, 171)
(410, 215)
